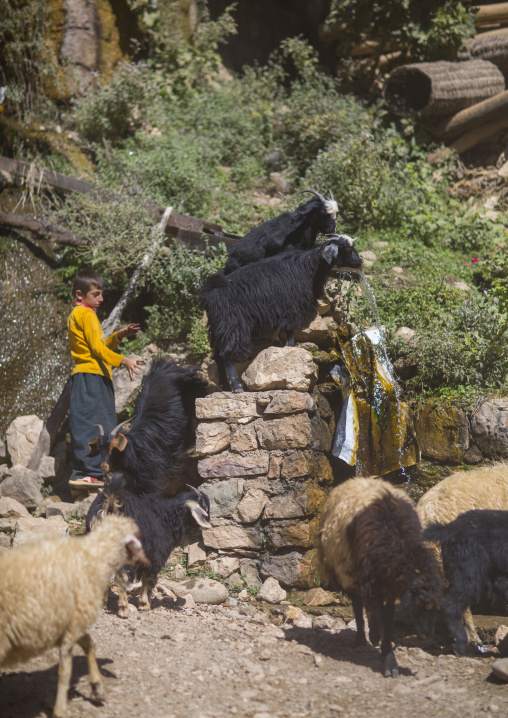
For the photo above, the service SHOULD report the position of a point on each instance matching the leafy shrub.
(175, 279)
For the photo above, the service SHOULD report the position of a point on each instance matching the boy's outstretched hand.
(133, 365)
(127, 331)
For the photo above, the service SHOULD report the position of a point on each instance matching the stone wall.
(264, 465)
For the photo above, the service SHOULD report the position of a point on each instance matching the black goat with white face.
(276, 293)
(295, 230)
(162, 522)
(162, 428)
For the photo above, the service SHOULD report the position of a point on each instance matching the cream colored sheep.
(51, 591)
(485, 488)
(370, 546)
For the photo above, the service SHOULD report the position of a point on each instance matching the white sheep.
(485, 488)
(370, 546)
(51, 591)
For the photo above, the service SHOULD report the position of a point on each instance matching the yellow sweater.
(91, 352)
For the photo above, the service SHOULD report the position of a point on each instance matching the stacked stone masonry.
(264, 466)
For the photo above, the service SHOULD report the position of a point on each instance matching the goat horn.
(113, 432)
(101, 430)
(316, 194)
(193, 488)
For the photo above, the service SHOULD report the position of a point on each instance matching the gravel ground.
(221, 661)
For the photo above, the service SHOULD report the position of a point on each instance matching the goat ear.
(119, 442)
(199, 514)
(330, 251)
(94, 449)
(135, 549)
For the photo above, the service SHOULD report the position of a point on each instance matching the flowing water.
(385, 386)
(34, 356)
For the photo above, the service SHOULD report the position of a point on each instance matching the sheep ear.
(330, 252)
(94, 449)
(135, 549)
(199, 514)
(119, 442)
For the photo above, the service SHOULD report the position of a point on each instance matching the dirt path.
(218, 661)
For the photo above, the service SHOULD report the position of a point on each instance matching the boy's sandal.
(87, 481)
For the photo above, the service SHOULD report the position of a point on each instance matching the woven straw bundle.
(441, 88)
(492, 47)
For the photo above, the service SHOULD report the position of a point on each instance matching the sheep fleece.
(344, 503)
(51, 590)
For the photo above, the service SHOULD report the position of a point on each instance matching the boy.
(92, 394)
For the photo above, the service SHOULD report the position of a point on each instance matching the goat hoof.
(97, 693)
(391, 667)
(144, 607)
(123, 613)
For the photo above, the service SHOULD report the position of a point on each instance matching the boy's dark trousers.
(92, 402)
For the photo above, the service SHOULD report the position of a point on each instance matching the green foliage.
(423, 31)
(174, 280)
(188, 55)
(25, 58)
(118, 108)
(197, 339)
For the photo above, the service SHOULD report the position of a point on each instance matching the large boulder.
(22, 437)
(442, 431)
(489, 427)
(23, 485)
(12, 509)
(30, 530)
(281, 368)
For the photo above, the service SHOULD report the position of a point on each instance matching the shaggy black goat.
(290, 230)
(474, 549)
(162, 525)
(161, 429)
(276, 293)
(370, 546)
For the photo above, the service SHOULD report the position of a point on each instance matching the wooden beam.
(479, 134)
(183, 228)
(43, 229)
(479, 114)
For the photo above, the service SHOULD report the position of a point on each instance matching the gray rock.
(252, 463)
(281, 368)
(196, 555)
(202, 590)
(12, 509)
(212, 437)
(23, 485)
(323, 622)
(22, 437)
(489, 427)
(224, 496)
(46, 470)
(83, 506)
(231, 536)
(4, 456)
(29, 530)
(60, 508)
(288, 432)
(271, 591)
(224, 566)
(251, 506)
(249, 568)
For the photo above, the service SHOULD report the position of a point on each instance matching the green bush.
(174, 280)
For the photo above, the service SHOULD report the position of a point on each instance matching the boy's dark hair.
(85, 279)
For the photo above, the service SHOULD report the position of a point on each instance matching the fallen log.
(43, 229)
(183, 228)
(479, 134)
(479, 114)
(491, 15)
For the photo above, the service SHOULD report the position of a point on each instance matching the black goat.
(290, 230)
(162, 524)
(276, 293)
(474, 548)
(161, 429)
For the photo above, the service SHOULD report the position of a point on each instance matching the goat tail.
(110, 501)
